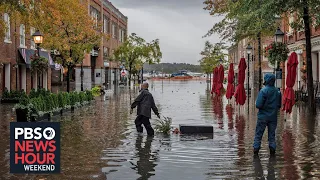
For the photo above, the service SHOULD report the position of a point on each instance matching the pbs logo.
(37, 133)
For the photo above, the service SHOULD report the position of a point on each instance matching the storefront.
(29, 80)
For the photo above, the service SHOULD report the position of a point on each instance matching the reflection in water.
(290, 169)
(217, 109)
(240, 125)
(145, 163)
(258, 169)
(229, 110)
(100, 140)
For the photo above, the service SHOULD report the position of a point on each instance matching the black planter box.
(73, 108)
(56, 113)
(64, 111)
(45, 116)
(22, 115)
(196, 129)
(9, 101)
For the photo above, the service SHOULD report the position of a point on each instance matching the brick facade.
(12, 63)
(98, 64)
(296, 43)
(238, 51)
(9, 54)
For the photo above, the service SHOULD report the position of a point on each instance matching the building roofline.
(111, 7)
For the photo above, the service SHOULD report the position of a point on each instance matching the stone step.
(195, 129)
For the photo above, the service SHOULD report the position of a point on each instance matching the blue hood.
(269, 79)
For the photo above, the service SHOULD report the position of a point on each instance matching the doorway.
(93, 67)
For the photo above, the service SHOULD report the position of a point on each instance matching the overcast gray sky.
(179, 24)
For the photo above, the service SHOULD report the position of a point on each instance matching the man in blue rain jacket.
(268, 103)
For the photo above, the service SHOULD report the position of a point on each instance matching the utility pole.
(81, 75)
(259, 58)
(259, 54)
(248, 80)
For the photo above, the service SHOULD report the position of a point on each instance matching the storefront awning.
(28, 53)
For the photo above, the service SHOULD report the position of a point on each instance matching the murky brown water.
(100, 141)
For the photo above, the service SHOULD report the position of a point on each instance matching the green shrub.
(89, 95)
(67, 98)
(82, 97)
(17, 95)
(23, 94)
(45, 101)
(163, 126)
(55, 101)
(5, 94)
(72, 98)
(96, 91)
(76, 97)
(61, 100)
(33, 93)
(24, 101)
(36, 105)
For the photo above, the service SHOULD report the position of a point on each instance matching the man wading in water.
(145, 103)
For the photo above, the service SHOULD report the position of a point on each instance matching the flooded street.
(100, 141)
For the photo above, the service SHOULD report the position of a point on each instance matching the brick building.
(97, 67)
(16, 50)
(17, 47)
(296, 42)
(238, 51)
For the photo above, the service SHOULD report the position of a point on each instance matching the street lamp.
(81, 75)
(38, 39)
(122, 67)
(278, 37)
(249, 52)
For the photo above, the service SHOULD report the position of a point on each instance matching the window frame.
(105, 24)
(22, 32)
(113, 31)
(32, 43)
(7, 37)
(95, 15)
(290, 20)
(120, 34)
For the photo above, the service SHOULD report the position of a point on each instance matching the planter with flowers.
(39, 64)
(277, 52)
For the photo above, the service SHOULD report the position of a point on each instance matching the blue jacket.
(269, 99)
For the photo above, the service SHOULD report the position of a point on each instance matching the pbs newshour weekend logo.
(35, 147)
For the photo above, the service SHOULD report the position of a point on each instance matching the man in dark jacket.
(145, 103)
(268, 103)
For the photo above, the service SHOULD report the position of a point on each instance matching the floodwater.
(100, 141)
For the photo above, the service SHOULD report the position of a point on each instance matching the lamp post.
(122, 68)
(38, 39)
(142, 74)
(278, 38)
(249, 52)
(81, 75)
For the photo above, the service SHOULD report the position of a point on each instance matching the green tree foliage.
(211, 55)
(135, 51)
(17, 11)
(241, 18)
(67, 28)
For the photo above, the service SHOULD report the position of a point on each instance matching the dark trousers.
(146, 123)
(261, 126)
